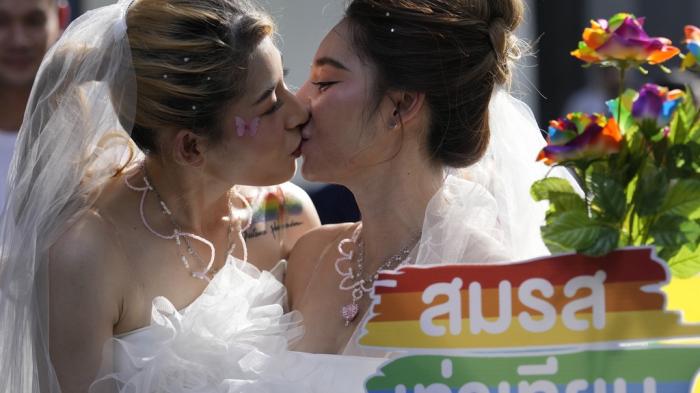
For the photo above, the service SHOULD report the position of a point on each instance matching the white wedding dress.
(232, 338)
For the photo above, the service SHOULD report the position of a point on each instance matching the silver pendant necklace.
(355, 280)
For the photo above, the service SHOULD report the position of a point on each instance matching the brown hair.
(453, 51)
(190, 58)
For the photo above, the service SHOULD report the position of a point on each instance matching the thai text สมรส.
(556, 301)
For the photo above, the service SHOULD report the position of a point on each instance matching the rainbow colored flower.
(581, 136)
(692, 40)
(656, 104)
(622, 39)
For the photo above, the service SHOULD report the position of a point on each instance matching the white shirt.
(7, 147)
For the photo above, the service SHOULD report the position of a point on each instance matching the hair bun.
(498, 36)
(453, 51)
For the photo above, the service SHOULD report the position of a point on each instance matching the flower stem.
(631, 229)
(620, 93)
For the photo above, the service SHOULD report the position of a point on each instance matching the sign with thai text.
(559, 324)
(555, 301)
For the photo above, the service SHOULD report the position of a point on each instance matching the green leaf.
(542, 189)
(686, 263)
(695, 164)
(683, 199)
(666, 231)
(575, 231)
(565, 201)
(560, 194)
(608, 195)
(679, 161)
(691, 230)
(608, 240)
(626, 121)
(651, 190)
(631, 187)
(632, 155)
(681, 126)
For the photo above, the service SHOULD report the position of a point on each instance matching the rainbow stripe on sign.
(554, 301)
(667, 370)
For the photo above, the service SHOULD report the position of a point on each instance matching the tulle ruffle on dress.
(233, 338)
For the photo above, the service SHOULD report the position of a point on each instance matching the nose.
(298, 112)
(304, 93)
(19, 36)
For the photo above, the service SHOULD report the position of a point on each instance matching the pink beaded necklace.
(184, 238)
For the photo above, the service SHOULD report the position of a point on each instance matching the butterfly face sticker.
(243, 127)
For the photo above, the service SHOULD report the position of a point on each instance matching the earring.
(394, 123)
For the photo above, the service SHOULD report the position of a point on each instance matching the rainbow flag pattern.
(616, 298)
(650, 370)
(275, 206)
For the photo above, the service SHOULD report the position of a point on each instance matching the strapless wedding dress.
(232, 338)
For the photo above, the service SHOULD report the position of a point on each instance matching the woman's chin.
(308, 172)
(270, 178)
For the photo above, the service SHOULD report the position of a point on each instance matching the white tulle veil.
(485, 213)
(73, 138)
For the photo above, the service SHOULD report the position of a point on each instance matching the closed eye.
(323, 86)
(275, 107)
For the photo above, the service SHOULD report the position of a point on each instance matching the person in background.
(28, 28)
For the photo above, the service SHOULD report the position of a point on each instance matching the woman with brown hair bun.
(152, 128)
(410, 111)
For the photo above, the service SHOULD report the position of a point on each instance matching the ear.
(188, 148)
(64, 14)
(407, 106)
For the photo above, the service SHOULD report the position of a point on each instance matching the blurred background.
(550, 81)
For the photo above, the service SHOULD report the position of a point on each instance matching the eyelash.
(323, 86)
(275, 107)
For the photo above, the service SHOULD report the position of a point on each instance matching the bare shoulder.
(87, 255)
(299, 216)
(293, 191)
(309, 252)
(85, 293)
(314, 242)
(303, 206)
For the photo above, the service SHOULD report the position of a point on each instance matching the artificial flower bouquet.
(638, 166)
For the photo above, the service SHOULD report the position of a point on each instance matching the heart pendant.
(349, 312)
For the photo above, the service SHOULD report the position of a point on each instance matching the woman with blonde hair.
(152, 128)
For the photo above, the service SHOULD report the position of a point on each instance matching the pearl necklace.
(180, 236)
(354, 281)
